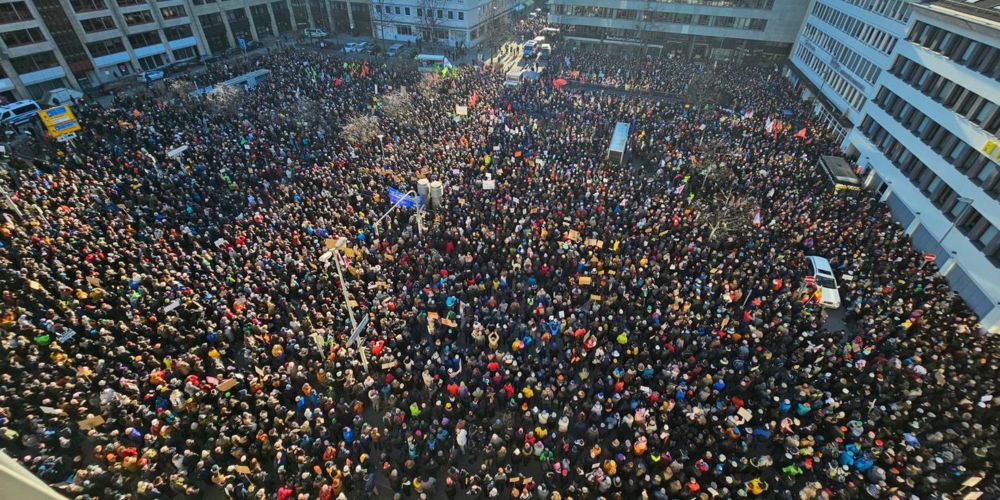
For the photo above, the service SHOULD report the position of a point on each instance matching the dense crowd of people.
(635, 72)
(576, 328)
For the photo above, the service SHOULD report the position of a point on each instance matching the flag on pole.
(801, 134)
(757, 221)
(769, 124)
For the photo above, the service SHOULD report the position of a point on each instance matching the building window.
(420, 12)
(137, 18)
(451, 14)
(406, 10)
(23, 37)
(177, 32)
(461, 16)
(88, 5)
(34, 62)
(14, 12)
(106, 47)
(98, 24)
(173, 12)
(185, 53)
(144, 39)
(404, 29)
(440, 14)
(130, 3)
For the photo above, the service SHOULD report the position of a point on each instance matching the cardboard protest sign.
(585, 280)
(573, 235)
(242, 469)
(227, 384)
(596, 298)
(449, 323)
(90, 422)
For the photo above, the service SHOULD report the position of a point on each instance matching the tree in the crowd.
(360, 129)
(728, 214)
(397, 106)
(224, 99)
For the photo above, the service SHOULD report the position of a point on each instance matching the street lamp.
(336, 256)
(381, 147)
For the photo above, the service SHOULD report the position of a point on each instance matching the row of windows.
(957, 98)
(965, 51)
(964, 158)
(740, 4)
(23, 37)
(896, 10)
(397, 10)
(967, 219)
(854, 62)
(854, 97)
(742, 23)
(14, 12)
(866, 33)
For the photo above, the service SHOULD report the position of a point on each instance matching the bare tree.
(360, 129)
(382, 14)
(224, 99)
(181, 86)
(398, 106)
(728, 214)
(431, 19)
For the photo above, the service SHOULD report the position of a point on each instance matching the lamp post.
(336, 256)
(381, 149)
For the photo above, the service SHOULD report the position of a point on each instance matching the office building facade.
(913, 90)
(83, 44)
(715, 29)
(842, 48)
(456, 23)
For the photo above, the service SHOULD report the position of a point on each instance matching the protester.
(170, 329)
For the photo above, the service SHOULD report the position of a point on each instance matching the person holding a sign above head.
(564, 327)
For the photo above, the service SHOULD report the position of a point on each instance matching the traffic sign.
(357, 331)
(59, 120)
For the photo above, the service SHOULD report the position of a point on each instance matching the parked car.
(57, 96)
(394, 49)
(824, 281)
(314, 33)
(151, 75)
(354, 47)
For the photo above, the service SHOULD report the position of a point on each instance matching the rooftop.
(985, 9)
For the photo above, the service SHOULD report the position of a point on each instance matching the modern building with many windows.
(716, 29)
(842, 48)
(457, 23)
(926, 131)
(83, 44)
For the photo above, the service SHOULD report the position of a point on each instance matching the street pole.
(336, 255)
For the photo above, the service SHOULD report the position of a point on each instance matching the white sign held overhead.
(489, 184)
(174, 153)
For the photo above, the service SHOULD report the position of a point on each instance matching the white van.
(55, 97)
(393, 49)
(19, 112)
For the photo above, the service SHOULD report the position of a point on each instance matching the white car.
(824, 281)
(354, 47)
(314, 33)
(151, 75)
